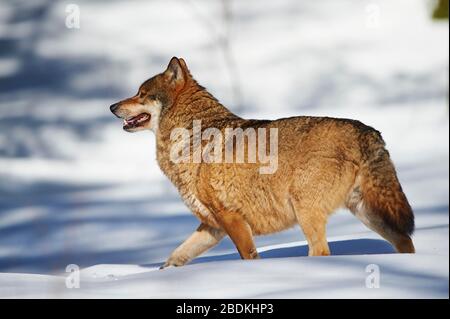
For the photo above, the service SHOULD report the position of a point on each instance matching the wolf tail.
(378, 198)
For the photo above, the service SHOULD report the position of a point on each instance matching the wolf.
(323, 164)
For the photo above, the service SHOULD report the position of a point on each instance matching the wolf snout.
(114, 107)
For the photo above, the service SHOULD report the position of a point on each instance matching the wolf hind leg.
(322, 187)
(315, 233)
(313, 223)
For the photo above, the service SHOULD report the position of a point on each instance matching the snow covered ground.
(76, 189)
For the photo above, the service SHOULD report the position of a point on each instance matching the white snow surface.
(76, 189)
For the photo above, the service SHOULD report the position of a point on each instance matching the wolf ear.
(174, 72)
(183, 64)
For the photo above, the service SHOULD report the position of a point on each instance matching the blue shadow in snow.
(343, 247)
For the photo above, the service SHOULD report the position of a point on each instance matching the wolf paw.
(174, 262)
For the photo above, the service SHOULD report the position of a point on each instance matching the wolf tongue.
(141, 117)
(135, 120)
(131, 121)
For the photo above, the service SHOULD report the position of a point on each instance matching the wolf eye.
(141, 94)
(151, 97)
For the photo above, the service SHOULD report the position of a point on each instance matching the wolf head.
(142, 111)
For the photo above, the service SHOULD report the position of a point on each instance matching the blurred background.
(75, 188)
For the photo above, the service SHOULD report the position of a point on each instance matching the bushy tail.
(384, 196)
(382, 202)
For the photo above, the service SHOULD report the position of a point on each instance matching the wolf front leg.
(240, 233)
(204, 238)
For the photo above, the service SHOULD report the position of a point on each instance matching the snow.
(76, 189)
(283, 271)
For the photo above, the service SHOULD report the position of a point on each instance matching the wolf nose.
(114, 107)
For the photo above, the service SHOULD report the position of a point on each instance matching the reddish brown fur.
(323, 164)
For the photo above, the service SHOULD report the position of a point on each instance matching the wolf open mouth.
(136, 121)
